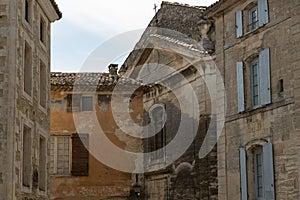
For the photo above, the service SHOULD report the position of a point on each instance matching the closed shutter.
(264, 77)
(268, 172)
(80, 155)
(240, 86)
(239, 23)
(263, 13)
(243, 174)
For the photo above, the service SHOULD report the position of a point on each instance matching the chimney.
(113, 69)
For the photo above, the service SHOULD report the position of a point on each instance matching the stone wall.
(277, 122)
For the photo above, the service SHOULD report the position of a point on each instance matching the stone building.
(175, 47)
(25, 123)
(257, 52)
(81, 112)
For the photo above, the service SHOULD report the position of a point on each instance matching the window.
(60, 155)
(26, 154)
(26, 11)
(43, 85)
(27, 70)
(42, 163)
(69, 160)
(258, 171)
(253, 19)
(253, 16)
(42, 30)
(87, 103)
(254, 83)
(77, 103)
(157, 142)
(103, 101)
(80, 155)
(257, 164)
(259, 76)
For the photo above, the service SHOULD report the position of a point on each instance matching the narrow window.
(258, 165)
(63, 155)
(42, 30)
(26, 172)
(158, 140)
(80, 155)
(28, 70)
(26, 11)
(60, 155)
(280, 85)
(255, 83)
(42, 163)
(87, 103)
(253, 19)
(43, 85)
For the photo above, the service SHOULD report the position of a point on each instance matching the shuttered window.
(255, 16)
(263, 168)
(240, 86)
(263, 13)
(80, 155)
(60, 155)
(264, 73)
(243, 174)
(239, 23)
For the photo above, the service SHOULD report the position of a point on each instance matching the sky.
(96, 24)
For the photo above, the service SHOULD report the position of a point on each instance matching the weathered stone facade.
(276, 123)
(173, 40)
(99, 181)
(19, 109)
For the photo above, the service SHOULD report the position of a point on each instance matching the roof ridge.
(183, 5)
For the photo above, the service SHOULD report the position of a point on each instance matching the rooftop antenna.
(155, 9)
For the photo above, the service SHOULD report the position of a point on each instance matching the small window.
(27, 11)
(42, 163)
(26, 162)
(77, 103)
(87, 103)
(103, 101)
(60, 155)
(27, 69)
(255, 83)
(43, 84)
(42, 30)
(258, 171)
(253, 19)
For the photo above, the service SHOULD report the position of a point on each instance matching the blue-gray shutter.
(263, 13)
(268, 172)
(243, 174)
(264, 77)
(239, 23)
(240, 86)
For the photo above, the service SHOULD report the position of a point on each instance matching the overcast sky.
(88, 24)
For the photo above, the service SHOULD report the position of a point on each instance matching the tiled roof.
(87, 80)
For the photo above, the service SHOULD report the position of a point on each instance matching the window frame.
(252, 25)
(258, 151)
(42, 133)
(25, 93)
(254, 63)
(55, 155)
(162, 133)
(43, 108)
(82, 103)
(29, 124)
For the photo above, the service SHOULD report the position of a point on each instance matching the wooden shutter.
(263, 13)
(239, 23)
(80, 155)
(268, 171)
(243, 174)
(240, 86)
(264, 77)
